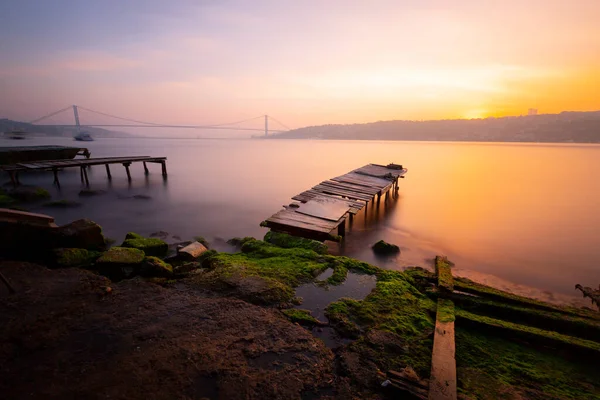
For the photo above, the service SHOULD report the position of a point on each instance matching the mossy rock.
(288, 242)
(70, 257)
(303, 317)
(258, 290)
(155, 267)
(29, 193)
(63, 204)
(7, 201)
(384, 248)
(150, 246)
(120, 262)
(239, 242)
(202, 241)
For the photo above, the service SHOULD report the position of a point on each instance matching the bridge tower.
(266, 125)
(76, 117)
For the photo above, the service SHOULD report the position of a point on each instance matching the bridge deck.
(323, 208)
(83, 164)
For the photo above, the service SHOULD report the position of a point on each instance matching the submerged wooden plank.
(323, 207)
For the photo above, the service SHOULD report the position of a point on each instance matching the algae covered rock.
(63, 204)
(238, 241)
(83, 233)
(150, 246)
(120, 262)
(72, 257)
(258, 289)
(29, 193)
(385, 248)
(6, 201)
(288, 242)
(202, 240)
(155, 267)
(303, 317)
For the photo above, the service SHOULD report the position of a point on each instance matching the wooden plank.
(379, 171)
(342, 192)
(323, 207)
(288, 215)
(313, 193)
(348, 186)
(298, 224)
(442, 380)
(365, 180)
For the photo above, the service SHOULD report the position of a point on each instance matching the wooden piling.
(55, 172)
(126, 165)
(108, 171)
(85, 175)
(164, 169)
(342, 228)
(81, 173)
(146, 169)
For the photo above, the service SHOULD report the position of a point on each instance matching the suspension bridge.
(133, 123)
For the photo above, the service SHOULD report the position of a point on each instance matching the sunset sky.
(303, 62)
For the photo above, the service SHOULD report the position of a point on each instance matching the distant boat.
(83, 137)
(16, 134)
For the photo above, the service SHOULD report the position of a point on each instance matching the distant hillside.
(7, 125)
(566, 127)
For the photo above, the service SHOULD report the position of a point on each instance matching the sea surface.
(521, 217)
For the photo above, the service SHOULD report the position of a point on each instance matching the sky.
(303, 62)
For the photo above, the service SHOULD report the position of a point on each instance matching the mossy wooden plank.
(444, 274)
(442, 381)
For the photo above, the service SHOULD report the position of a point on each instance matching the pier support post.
(108, 171)
(13, 179)
(164, 169)
(146, 169)
(55, 172)
(81, 173)
(126, 165)
(85, 175)
(342, 228)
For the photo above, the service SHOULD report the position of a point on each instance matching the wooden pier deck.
(83, 164)
(325, 207)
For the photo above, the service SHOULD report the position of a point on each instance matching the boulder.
(238, 241)
(29, 193)
(384, 248)
(120, 262)
(70, 257)
(155, 267)
(82, 234)
(150, 246)
(192, 251)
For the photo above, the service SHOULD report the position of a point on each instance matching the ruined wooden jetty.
(324, 208)
(20, 154)
(83, 164)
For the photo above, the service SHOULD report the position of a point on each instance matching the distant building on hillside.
(532, 111)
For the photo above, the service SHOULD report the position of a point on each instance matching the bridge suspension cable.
(50, 115)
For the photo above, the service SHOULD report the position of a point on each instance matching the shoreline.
(388, 330)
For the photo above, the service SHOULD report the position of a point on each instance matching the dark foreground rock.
(65, 336)
(384, 248)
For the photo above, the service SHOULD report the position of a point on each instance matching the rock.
(257, 289)
(150, 246)
(91, 192)
(187, 267)
(201, 240)
(63, 204)
(82, 234)
(160, 234)
(120, 262)
(70, 257)
(6, 201)
(593, 294)
(239, 242)
(287, 242)
(29, 193)
(155, 267)
(142, 197)
(192, 251)
(384, 248)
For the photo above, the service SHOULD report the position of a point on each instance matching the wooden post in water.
(81, 173)
(164, 169)
(126, 165)
(108, 172)
(342, 228)
(56, 182)
(146, 169)
(85, 175)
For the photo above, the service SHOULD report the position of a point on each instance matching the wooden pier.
(325, 207)
(83, 164)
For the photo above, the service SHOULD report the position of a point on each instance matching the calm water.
(519, 217)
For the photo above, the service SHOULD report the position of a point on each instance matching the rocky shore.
(145, 319)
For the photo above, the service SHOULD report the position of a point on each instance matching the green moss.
(122, 255)
(492, 367)
(445, 310)
(154, 266)
(239, 242)
(75, 257)
(536, 335)
(201, 240)
(384, 248)
(395, 306)
(41, 193)
(302, 317)
(62, 204)
(150, 246)
(287, 241)
(444, 274)
(6, 201)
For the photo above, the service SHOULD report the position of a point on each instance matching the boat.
(16, 134)
(83, 137)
